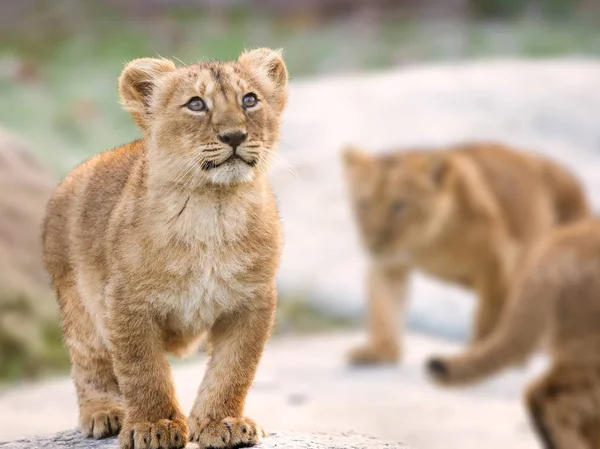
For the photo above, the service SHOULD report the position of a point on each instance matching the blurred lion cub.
(153, 243)
(556, 296)
(465, 215)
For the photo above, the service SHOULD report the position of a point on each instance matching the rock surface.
(304, 385)
(347, 440)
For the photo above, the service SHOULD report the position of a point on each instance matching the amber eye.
(196, 104)
(249, 101)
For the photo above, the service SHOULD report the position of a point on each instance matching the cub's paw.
(226, 434)
(102, 422)
(372, 355)
(161, 434)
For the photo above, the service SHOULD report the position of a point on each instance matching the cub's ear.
(439, 168)
(269, 71)
(137, 83)
(355, 157)
(359, 166)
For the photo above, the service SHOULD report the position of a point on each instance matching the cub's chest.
(204, 290)
(205, 268)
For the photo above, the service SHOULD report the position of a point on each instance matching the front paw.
(228, 433)
(161, 434)
(373, 355)
(101, 421)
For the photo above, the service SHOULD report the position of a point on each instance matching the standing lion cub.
(465, 215)
(557, 297)
(156, 242)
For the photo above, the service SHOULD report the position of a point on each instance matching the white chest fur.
(204, 261)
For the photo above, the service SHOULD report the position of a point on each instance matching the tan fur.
(154, 243)
(465, 215)
(556, 298)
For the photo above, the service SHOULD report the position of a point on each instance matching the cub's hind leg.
(100, 405)
(564, 409)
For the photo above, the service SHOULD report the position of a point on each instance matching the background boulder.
(29, 335)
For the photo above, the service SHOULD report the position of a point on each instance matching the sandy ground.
(303, 384)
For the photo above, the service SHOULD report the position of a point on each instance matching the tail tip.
(438, 369)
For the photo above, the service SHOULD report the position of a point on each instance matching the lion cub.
(557, 296)
(464, 215)
(156, 242)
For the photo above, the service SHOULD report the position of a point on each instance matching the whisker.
(207, 165)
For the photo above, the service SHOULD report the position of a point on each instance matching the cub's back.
(533, 192)
(571, 264)
(77, 214)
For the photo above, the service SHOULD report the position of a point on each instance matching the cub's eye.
(398, 207)
(196, 104)
(249, 101)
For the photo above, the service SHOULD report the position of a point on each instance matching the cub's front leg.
(153, 418)
(237, 341)
(386, 296)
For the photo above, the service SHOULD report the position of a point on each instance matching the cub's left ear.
(269, 71)
(137, 84)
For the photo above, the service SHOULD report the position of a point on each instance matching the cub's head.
(211, 122)
(400, 200)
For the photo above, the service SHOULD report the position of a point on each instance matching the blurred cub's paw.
(373, 355)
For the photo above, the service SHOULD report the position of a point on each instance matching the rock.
(29, 311)
(347, 440)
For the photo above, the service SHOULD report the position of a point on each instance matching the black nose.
(233, 139)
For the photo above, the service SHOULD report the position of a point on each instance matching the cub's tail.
(518, 334)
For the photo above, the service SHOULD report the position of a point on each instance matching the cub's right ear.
(354, 156)
(269, 71)
(137, 83)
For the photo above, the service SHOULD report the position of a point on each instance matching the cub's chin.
(234, 171)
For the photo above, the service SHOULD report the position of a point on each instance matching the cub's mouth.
(209, 165)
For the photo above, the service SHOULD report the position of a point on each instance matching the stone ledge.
(282, 440)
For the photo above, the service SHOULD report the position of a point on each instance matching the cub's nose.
(233, 139)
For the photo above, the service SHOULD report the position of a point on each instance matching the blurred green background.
(59, 62)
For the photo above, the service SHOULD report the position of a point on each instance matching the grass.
(58, 87)
(297, 315)
(18, 362)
